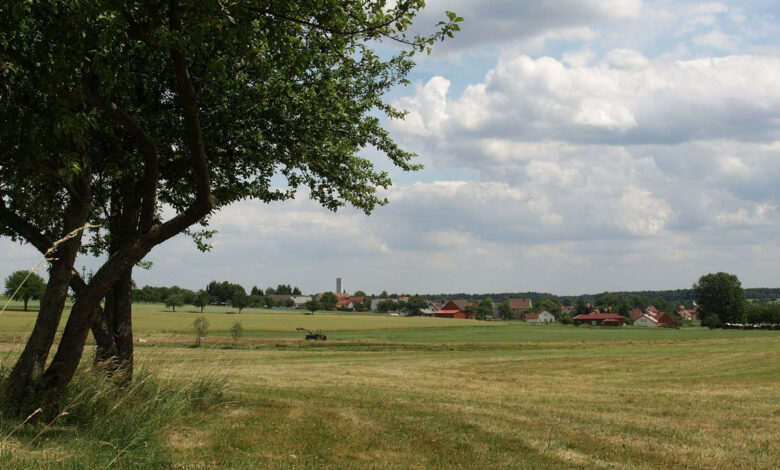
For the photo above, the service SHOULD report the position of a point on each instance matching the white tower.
(338, 285)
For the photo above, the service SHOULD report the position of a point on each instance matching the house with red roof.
(647, 320)
(659, 319)
(541, 317)
(519, 305)
(635, 314)
(599, 319)
(455, 309)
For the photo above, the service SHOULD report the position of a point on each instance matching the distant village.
(645, 308)
(508, 309)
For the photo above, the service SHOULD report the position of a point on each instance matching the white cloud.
(625, 98)
(718, 40)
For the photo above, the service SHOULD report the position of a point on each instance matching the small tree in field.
(201, 327)
(236, 331)
(32, 287)
(312, 306)
(240, 301)
(202, 298)
(174, 301)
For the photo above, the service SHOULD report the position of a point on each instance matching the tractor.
(316, 335)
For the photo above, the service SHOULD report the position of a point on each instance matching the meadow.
(390, 392)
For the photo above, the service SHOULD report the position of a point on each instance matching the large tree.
(112, 109)
(720, 299)
(26, 285)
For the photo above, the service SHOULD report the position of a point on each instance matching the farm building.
(599, 319)
(520, 305)
(455, 309)
(542, 317)
(659, 319)
(454, 314)
(647, 320)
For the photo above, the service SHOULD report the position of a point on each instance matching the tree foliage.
(113, 109)
(26, 285)
(311, 306)
(236, 331)
(201, 299)
(720, 298)
(200, 326)
(328, 300)
(174, 301)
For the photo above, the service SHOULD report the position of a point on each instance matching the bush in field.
(201, 328)
(236, 331)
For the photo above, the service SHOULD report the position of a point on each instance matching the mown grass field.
(388, 392)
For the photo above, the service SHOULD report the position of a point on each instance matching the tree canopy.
(720, 299)
(113, 109)
(32, 286)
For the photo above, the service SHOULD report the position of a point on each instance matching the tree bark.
(29, 368)
(106, 347)
(71, 347)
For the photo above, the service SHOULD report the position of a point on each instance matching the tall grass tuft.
(99, 424)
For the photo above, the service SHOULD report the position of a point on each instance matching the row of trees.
(281, 289)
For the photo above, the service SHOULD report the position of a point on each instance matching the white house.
(647, 320)
(300, 299)
(542, 317)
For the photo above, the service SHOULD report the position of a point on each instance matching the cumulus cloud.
(626, 98)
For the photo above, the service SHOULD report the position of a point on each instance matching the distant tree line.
(220, 293)
(759, 295)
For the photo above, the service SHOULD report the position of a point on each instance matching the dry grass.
(489, 397)
(716, 406)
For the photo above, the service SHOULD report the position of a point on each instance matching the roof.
(599, 316)
(461, 304)
(520, 304)
(448, 311)
(358, 299)
(635, 313)
(532, 316)
(649, 317)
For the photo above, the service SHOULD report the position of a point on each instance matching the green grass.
(388, 392)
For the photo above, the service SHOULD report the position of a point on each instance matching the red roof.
(532, 316)
(519, 304)
(635, 313)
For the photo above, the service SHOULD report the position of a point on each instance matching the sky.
(570, 146)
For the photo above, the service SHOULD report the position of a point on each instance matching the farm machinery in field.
(316, 335)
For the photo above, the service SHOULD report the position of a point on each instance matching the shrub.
(201, 328)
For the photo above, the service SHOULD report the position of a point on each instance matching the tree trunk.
(25, 303)
(119, 313)
(29, 368)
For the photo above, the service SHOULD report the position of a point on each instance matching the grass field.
(388, 392)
